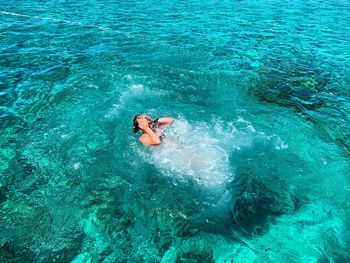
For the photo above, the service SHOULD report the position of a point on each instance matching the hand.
(150, 120)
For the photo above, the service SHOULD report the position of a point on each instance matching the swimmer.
(151, 133)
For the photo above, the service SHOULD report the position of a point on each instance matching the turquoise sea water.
(255, 169)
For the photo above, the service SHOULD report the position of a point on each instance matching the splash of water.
(192, 152)
(200, 152)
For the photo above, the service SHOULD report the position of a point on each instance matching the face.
(143, 118)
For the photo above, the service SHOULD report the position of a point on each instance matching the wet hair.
(136, 127)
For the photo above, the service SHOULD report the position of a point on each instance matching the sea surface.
(255, 168)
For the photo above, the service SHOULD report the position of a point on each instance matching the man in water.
(151, 129)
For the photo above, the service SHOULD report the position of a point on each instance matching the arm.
(165, 120)
(151, 139)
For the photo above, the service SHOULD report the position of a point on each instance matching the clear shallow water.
(256, 168)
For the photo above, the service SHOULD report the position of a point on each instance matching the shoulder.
(145, 139)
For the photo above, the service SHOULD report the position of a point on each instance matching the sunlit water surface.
(255, 168)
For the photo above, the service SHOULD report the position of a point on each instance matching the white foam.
(191, 153)
(130, 93)
(76, 166)
(200, 151)
(250, 133)
(128, 97)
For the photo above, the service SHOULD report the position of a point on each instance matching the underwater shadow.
(319, 96)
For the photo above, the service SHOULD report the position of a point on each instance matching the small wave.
(130, 97)
(54, 19)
